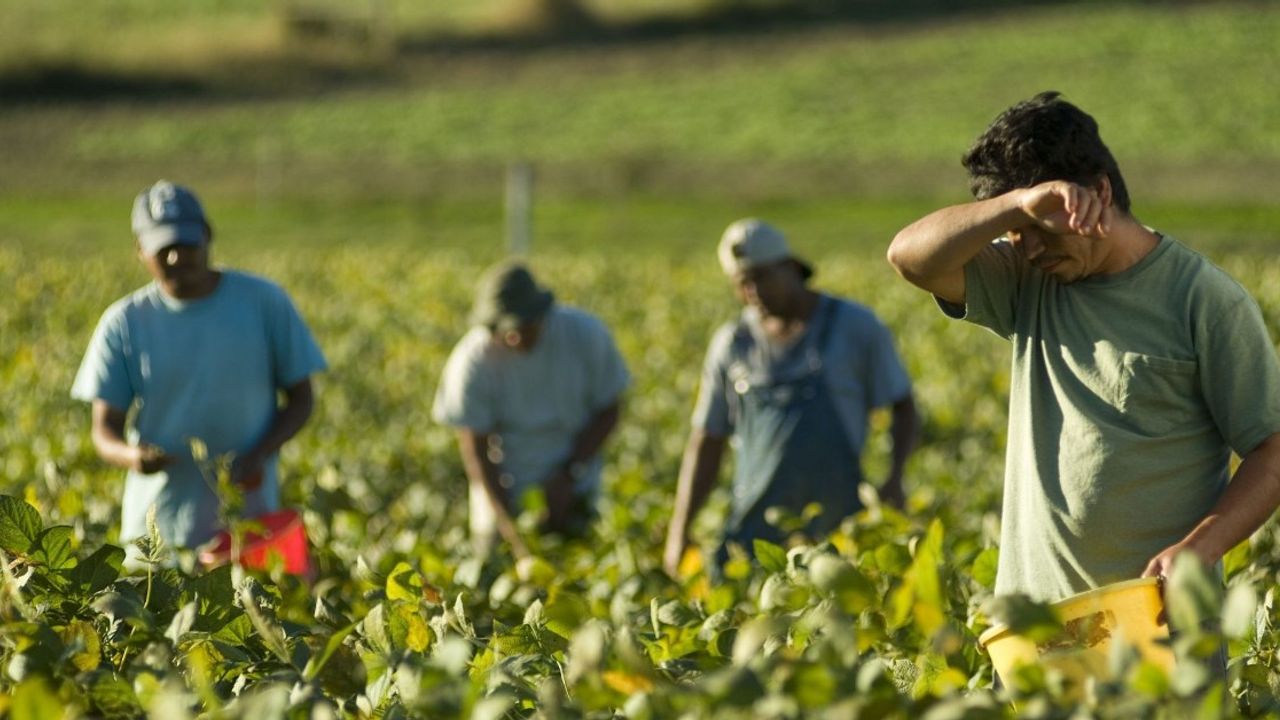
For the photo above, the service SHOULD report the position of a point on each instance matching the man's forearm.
(591, 438)
(698, 471)
(485, 473)
(905, 431)
(109, 441)
(113, 449)
(289, 419)
(945, 240)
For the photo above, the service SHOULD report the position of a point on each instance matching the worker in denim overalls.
(791, 381)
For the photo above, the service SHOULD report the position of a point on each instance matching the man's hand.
(1162, 564)
(1065, 208)
(246, 471)
(148, 459)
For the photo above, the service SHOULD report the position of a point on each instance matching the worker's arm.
(290, 417)
(559, 488)
(905, 433)
(1249, 500)
(484, 473)
(931, 253)
(108, 438)
(698, 471)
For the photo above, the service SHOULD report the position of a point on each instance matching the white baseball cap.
(751, 243)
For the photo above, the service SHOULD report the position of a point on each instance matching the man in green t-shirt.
(1139, 366)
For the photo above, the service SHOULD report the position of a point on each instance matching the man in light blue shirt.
(201, 353)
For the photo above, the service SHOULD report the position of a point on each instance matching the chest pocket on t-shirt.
(1159, 394)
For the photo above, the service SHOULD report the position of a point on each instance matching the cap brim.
(512, 320)
(743, 265)
(158, 238)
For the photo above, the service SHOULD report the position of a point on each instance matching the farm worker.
(792, 381)
(533, 390)
(1138, 365)
(205, 353)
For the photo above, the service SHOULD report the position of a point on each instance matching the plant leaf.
(19, 525)
(96, 572)
(33, 699)
(317, 662)
(770, 556)
(55, 548)
(1239, 610)
(404, 583)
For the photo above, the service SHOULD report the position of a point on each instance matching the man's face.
(1068, 258)
(770, 288)
(523, 338)
(179, 268)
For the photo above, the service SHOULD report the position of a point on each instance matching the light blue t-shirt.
(207, 369)
(536, 403)
(860, 367)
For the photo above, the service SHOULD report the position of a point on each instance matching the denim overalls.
(792, 446)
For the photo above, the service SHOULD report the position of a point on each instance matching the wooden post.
(519, 208)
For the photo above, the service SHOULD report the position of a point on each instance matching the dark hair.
(1038, 140)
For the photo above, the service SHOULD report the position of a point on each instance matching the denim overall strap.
(793, 450)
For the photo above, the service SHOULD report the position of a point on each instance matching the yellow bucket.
(1092, 621)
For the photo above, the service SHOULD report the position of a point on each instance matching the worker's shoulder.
(574, 323)
(852, 316)
(242, 282)
(1205, 285)
(132, 306)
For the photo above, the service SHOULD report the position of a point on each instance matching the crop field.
(880, 621)
(375, 200)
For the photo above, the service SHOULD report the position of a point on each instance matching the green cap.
(509, 297)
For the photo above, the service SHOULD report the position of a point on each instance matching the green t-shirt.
(1128, 393)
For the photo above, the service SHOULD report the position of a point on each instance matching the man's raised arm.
(931, 252)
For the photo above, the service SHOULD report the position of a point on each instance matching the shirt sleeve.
(1240, 375)
(104, 371)
(992, 281)
(609, 375)
(711, 411)
(886, 379)
(295, 354)
(465, 396)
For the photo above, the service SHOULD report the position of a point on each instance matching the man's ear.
(1103, 188)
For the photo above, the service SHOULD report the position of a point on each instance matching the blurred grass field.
(843, 130)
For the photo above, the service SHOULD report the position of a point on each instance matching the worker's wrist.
(133, 457)
(1204, 542)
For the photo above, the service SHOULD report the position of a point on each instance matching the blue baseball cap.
(167, 214)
